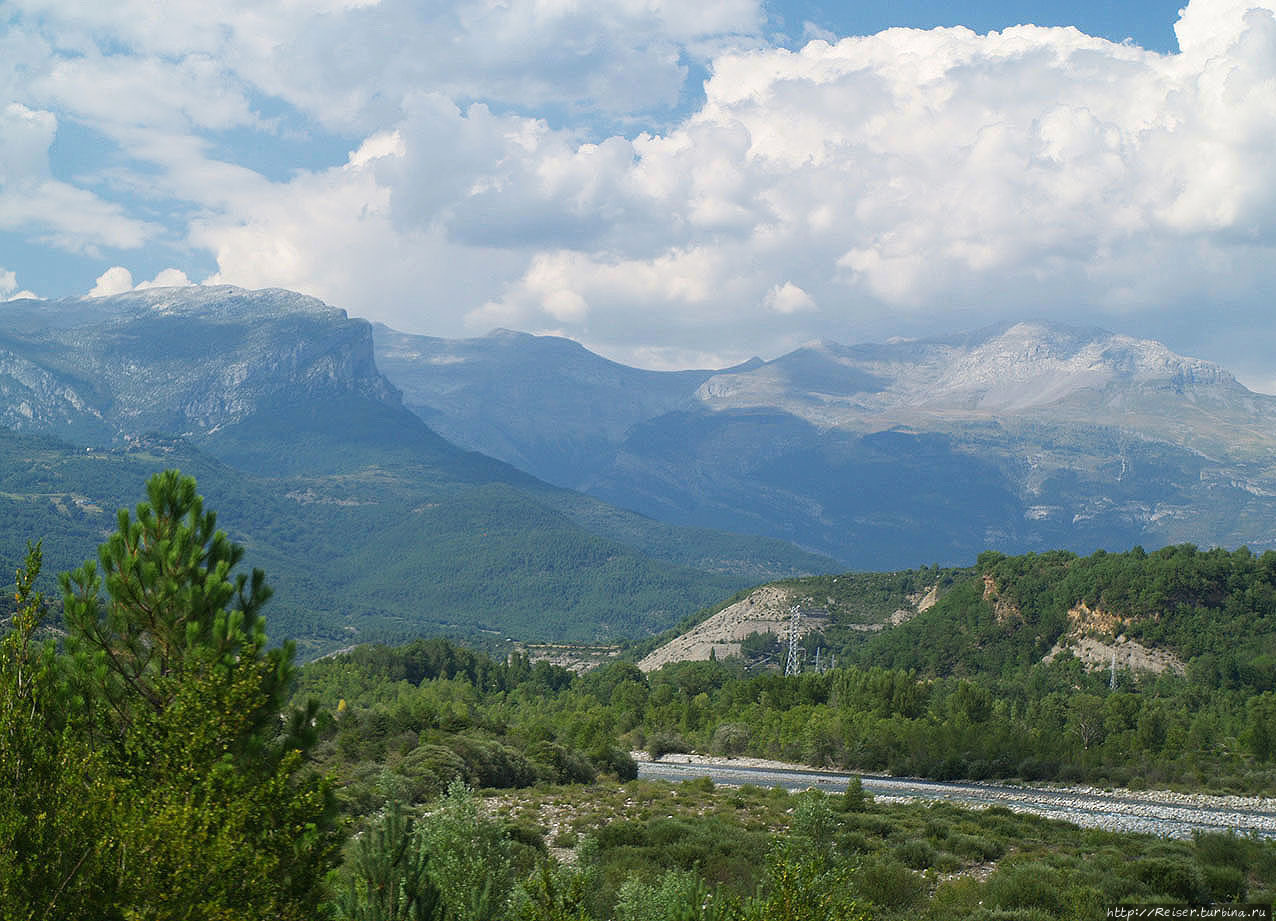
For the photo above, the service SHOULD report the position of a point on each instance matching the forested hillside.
(373, 526)
(394, 550)
(1141, 668)
(1212, 610)
(163, 761)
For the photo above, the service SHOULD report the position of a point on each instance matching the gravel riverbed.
(1157, 812)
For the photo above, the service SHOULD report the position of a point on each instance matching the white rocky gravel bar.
(1157, 812)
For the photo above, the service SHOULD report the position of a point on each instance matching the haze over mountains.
(392, 484)
(368, 523)
(1016, 437)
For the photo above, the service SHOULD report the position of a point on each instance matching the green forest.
(162, 759)
(397, 546)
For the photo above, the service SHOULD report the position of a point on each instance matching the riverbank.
(1164, 813)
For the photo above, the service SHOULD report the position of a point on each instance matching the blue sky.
(1147, 23)
(672, 184)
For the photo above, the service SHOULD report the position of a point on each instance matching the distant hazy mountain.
(1016, 437)
(545, 404)
(369, 524)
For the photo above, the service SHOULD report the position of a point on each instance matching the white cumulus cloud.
(115, 280)
(537, 164)
(788, 298)
(894, 177)
(119, 280)
(9, 290)
(56, 212)
(168, 278)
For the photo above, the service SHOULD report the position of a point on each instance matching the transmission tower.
(793, 666)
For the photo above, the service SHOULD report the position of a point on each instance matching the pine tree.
(215, 814)
(172, 606)
(385, 878)
(53, 794)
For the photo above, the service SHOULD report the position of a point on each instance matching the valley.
(487, 639)
(561, 460)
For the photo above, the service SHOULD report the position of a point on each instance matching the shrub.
(700, 784)
(855, 799)
(870, 824)
(1225, 884)
(814, 824)
(526, 833)
(730, 739)
(616, 762)
(666, 743)
(1176, 877)
(559, 764)
(916, 854)
(974, 847)
(853, 842)
(1010, 914)
(889, 884)
(1026, 885)
(622, 834)
(491, 764)
(1224, 849)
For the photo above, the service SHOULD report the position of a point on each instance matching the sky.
(673, 184)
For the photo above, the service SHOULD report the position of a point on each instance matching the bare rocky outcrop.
(1002, 608)
(1096, 637)
(766, 609)
(922, 601)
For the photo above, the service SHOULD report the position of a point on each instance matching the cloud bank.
(550, 166)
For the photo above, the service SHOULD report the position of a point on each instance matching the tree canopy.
(200, 803)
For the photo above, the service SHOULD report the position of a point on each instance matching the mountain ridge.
(371, 524)
(1044, 434)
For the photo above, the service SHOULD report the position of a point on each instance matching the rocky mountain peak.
(1010, 368)
(187, 360)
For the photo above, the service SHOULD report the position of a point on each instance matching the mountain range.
(1018, 437)
(369, 524)
(517, 485)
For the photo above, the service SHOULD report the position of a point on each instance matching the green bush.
(730, 739)
(666, 743)
(916, 854)
(616, 762)
(622, 834)
(491, 764)
(855, 799)
(1225, 884)
(870, 824)
(974, 847)
(853, 842)
(1026, 885)
(889, 884)
(1175, 877)
(558, 764)
(1225, 849)
(526, 833)
(427, 770)
(1010, 914)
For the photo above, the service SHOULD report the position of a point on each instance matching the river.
(1162, 813)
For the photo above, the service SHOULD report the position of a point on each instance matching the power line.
(793, 666)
